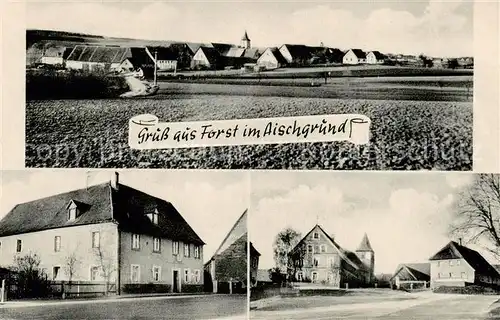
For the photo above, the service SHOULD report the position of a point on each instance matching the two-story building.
(458, 266)
(317, 258)
(112, 232)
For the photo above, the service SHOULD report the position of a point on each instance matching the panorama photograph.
(406, 66)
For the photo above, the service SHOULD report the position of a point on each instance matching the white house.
(354, 56)
(91, 58)
(375, 57)
(54, 56)
(271, 59)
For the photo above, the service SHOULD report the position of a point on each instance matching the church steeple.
(365, 244)
(245, 41)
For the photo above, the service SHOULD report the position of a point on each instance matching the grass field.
(405, 135)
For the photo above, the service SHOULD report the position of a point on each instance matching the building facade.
(458, 266)
(354, 56)
(113, 233)
(317, 258)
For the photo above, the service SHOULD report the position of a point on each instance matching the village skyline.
(220, 201)
(405, 216)
(412, 28)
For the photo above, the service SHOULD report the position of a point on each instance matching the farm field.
(405, 135)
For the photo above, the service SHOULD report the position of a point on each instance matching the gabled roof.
(252, 53)
(365, 244)
(348, 256)
(163, 53)
(421, 271)
(455, 251)
(378, 55)
(235, 52)
(57, 52)
(102, 54)
(298, 51)
(101, 203)
(193, 47)
(277, 54)
(253, 250)
(360, 54)
(223, 48)
(211, 53)
(237, 231)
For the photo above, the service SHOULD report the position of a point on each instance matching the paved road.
(178, 308)
(442, 308)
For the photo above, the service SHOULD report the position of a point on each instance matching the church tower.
(245, 41)
(367, 256)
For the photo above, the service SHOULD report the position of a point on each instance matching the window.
(314, 276)
(310, 248)
(156, 244)
(331, 262)
(94, 273)
(175, 247)
(57, 243)
(196, 276)
(464, 275)
(135, 271)
(72, 212)
(439, 263)
(153, 216)
(451, 275)
(96, 240)
(316, 236)
(439, 275)
(19, 246)
(135, 241)
(186, 250)
(322, 248)
(299, 276)
(55, 272)
(156, 273)
(186, 275)
(315, 261)
(458, 262)
(451, 262)
(197, 252)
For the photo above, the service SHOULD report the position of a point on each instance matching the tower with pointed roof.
(245, 41)
(367, 256)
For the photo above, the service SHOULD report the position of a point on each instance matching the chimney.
(115, 180)
(460, 241)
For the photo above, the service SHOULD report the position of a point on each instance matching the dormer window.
(153, 216)
(72, 210)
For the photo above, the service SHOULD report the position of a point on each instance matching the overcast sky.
(439, 28)
(210, 201)
(405, 215)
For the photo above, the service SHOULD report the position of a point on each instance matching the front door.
(175, 287)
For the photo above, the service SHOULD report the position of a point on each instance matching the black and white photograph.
(340, 245)
(123, 245)
(407, 66)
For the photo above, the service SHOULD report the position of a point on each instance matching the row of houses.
(318, 258)
(123, 237)
(214, 56)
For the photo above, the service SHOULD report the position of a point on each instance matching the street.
(174, 308)
(443, 307)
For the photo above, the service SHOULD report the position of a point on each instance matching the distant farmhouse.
(354, 56)
(84, 52)
(411, 276)
(459, 266)
(317, 258)
(117, 235)
(227, 269)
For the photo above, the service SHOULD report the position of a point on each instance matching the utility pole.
(156, 59)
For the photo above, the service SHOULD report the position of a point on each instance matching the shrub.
(146, 288)
(29, 280)
(192, 288)
(52, 84)
(473, 289)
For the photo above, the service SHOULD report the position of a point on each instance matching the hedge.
(147, 288)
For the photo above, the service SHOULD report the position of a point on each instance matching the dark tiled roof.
(455, 251)
(101, 54)
(277, 54)
(359, 53)
(378, 55)
(299, 51)
(212, 54)
(98, 204)
(223, 48)
(163, 53)
(365, 244)
(421, 271)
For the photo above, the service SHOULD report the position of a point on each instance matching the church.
(317, 258)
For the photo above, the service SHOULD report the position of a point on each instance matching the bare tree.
(107, 266)
(71, 264)
(477, 216)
